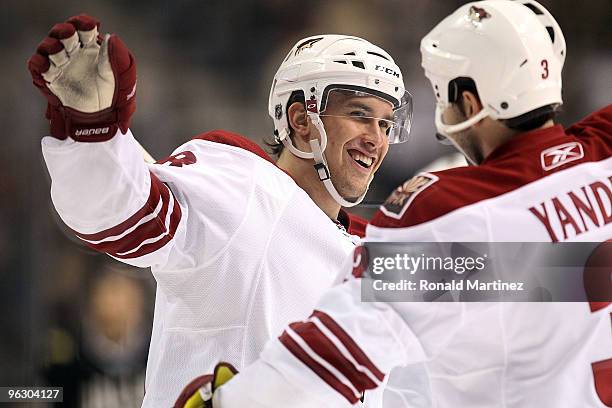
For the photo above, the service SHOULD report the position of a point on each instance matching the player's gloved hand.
(89, 80)
(199, 393)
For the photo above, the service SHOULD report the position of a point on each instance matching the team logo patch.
(562, 154)
(307, 44)
(278, 111)
(395, 206)
(477, 14)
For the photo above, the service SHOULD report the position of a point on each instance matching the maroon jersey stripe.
(317, 368)
(150, 229)
(324, 347)
(146, 209)
(349, 343)
(154, 246)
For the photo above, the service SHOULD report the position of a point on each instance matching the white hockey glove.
(89, 81)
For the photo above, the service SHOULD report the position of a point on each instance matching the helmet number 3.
(544, 64)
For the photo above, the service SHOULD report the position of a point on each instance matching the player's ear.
(298, 119)
(471, 104)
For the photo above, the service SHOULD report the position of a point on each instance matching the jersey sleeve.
(595, 131)
(598, 123)
(166, 215)
(345, 348)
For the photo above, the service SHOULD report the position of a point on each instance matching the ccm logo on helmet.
(387, 70)
(89, 132)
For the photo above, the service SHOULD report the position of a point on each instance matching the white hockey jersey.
(238, 249)
(547, 185)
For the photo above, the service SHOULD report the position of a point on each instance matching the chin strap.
(446, 130)
(284, 138)
(322, 168)
(319, 158)
(325, 176)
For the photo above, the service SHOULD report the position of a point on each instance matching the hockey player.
(238, 245)
(495, 67)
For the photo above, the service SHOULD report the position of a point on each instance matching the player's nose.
(375, 135)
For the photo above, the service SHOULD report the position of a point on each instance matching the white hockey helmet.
(320, 64)
(513, 51)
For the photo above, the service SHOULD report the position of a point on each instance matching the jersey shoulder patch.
(398, 202)
(428, 196)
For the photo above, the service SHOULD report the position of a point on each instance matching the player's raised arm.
(101, 187)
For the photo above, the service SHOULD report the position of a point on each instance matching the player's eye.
(386, 126)
(357, 114)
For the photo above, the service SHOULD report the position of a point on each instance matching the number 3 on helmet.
(513, 51)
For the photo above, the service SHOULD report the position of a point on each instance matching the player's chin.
(351, 184)
(355, 190)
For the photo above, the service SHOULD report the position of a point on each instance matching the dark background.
(202, 65)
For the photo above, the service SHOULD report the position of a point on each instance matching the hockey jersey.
(237, 248)
(548, 185)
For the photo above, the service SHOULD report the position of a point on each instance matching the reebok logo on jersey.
(395, 206)
(94, 131)
(559, 155)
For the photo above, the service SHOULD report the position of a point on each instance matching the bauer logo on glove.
(89, 81)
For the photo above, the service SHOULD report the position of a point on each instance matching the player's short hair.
(523, 123)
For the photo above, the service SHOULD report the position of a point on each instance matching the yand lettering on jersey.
(572, 213)
(396, 205)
